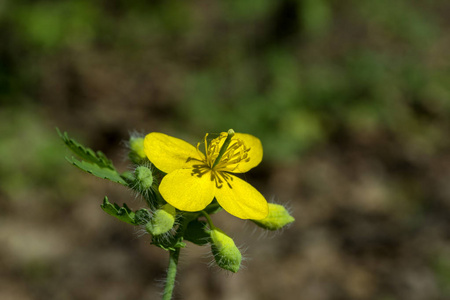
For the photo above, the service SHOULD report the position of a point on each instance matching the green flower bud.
(277, 218)
(137, 153)
(143, 178)
(162, 220)
(225, 252)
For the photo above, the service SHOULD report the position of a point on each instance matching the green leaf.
(85, 153)
(197, 233)
(124, 213)
(96, 170)
(128, 176)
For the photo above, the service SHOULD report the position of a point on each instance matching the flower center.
(223, 154)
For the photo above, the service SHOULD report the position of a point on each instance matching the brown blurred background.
(351, 100)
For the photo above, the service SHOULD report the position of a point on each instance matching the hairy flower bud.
(137, 154)
(162, 220)
(225, 252)
(277, 218)
(143, 177)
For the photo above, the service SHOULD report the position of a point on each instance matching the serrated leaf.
(124, 213)
(196, 232)
(86, 153)
(96, 170)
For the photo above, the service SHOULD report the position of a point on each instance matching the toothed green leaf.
(85, 153)
(124, 213)
(96, 170)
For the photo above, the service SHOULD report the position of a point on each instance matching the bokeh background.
(351, 100)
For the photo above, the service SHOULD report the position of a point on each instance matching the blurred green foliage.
(291, 72)
(28, 161)
(441, 265)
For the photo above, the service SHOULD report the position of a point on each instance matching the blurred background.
(351, 100)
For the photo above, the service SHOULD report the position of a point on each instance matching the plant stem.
(208, 219)
(171, 273)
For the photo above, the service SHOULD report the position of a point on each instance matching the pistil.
(224, 147)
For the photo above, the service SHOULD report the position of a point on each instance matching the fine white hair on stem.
(144, 194)
(244, 258)
(126, 143)
(133, 135)
(140, 231)
(214, 266)
(273, 233)
(166, 236)
(161, 283)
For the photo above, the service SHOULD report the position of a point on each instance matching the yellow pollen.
(233, 155)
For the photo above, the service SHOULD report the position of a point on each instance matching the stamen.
(199, 170)
(233, 156)
(224, 147)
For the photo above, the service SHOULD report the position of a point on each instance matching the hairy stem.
(171, 273)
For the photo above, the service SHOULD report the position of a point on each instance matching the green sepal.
(97, 158)
(96, 170)
(226, 254)
(277, 218)
(162, 220)
(143, 178)
(124, 213)
(168, 244)
(197, 233)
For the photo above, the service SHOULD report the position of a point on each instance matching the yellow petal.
(186, 191)
(242, 200)
(168, 153)
(255, 154)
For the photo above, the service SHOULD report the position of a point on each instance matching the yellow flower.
(193, 179)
